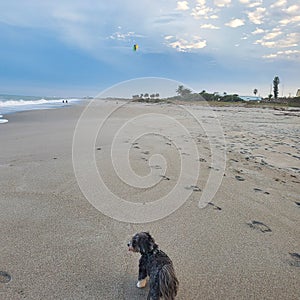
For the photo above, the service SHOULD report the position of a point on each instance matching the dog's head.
(142, 242)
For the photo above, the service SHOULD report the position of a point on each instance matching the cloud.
(257, 16)
(258, 31)
(222, 3)
(272, 35)
(266, 43)
(182, 5)
(124, 36)
(202, 11)
(254, 4)
(293, 9)
(235, 23)
(287, 54)
(279, 3)
(290, 20)
(289, 41)
(251, 3)
(209, 26)
(272, 55)
(183, 45)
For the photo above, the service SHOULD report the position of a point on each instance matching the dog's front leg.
(142, 279)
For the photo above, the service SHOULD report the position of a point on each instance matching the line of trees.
(145, 96)
(186, 94)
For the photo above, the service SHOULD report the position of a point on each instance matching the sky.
(79, 48)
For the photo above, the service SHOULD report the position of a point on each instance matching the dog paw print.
(4, 277)
(295, 259)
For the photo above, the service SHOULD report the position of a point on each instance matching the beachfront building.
(251, 98)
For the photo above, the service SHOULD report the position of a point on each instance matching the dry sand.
(243, 245)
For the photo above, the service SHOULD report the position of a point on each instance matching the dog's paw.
(141, 283)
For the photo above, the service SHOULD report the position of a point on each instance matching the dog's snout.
(128, 244)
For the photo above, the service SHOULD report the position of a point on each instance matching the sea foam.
(13, 104)
(8, 106)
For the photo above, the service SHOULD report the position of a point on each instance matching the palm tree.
(255, 91)
(182, 91)
(276, 82)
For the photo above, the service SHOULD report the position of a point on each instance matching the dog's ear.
(147, 243)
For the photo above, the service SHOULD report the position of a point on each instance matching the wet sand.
(243, 245)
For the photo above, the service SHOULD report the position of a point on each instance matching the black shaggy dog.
(155, 264)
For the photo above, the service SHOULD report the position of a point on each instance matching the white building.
(250, 98)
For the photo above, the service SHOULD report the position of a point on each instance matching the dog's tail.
(168, 283)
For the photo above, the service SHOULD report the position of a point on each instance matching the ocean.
(10, 104)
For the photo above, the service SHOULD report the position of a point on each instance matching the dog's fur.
(155, 264)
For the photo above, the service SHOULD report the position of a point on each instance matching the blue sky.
(78, 48)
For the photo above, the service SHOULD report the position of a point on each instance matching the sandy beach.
(243, 245)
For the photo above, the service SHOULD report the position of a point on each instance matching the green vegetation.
(184, 94)
(276, 82)
(215, 99)
(147, 98)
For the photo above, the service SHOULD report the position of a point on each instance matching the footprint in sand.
(164, 177)
(195, 188)
(234, 160)
(260, 191)
(214, 206)
(157, 167)
(259, 226)
(239, 178)
(202, 159)
(295, 261)
(212, 168)
(184, 153)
